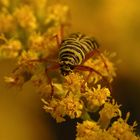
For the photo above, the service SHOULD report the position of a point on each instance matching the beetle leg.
(96, 51)
(86, 68)
(52, 68)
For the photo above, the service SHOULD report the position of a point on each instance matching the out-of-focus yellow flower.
(19, 78)
(9, 79)
(10, 48)
(7, 23)
(57, 19)
(58, 14)
(25, 18)
(38, 5)
(27, 57)
(44, 45)
(40, 9)
(4, 3)
(25, 69)
(36, 42)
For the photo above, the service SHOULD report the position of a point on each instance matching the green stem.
(86, 116)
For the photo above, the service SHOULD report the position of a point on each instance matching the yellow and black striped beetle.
(74, 50)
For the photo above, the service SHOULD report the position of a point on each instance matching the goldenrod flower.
(88, 130)
(25, 18)
(59, 108)
(95, 98)
(7, 23)
(31, 32)
(73, 83)
(10, 49)
(27, 57)
(103, 65)
(58, 14)
(122, 131)
(91, 132)
(109, 111)
(36, 42)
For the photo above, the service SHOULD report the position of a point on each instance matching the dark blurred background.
(116, 25)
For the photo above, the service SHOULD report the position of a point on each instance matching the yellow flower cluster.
(109, 111)
(68, 106)
(58, 14)
(30, 25)
(25, 18)
(120, 130)
(29, 33)
(9, 48)
(69, 99)
(6, 22)
(100, 62)
(95, 98)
